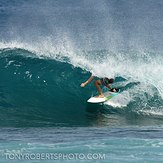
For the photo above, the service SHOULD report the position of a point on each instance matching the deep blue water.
(48, 48)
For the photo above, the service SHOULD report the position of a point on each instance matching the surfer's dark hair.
(111, 80)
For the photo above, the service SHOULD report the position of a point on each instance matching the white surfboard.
(108, 96)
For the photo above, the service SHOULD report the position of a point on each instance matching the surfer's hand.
(113, 90)
(82, 84)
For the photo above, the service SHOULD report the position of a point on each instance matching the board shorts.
(104, 81)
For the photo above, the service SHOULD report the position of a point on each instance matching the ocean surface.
(48, 48)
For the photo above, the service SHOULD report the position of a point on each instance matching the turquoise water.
(48, 48)
(127, 144)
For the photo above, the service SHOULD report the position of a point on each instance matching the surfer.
(104, 82)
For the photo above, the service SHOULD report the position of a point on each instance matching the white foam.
(120, 101)
(153, 111)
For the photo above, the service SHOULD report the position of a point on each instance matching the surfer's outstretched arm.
(88, 81)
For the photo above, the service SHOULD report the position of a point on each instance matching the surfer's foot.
(100, 96)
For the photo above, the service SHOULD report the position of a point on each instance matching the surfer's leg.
(97, 84)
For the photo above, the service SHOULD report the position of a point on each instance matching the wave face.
(47, 48)
(37, 91)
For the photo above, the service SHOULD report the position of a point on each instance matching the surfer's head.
(106, 81)
(111, 81)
